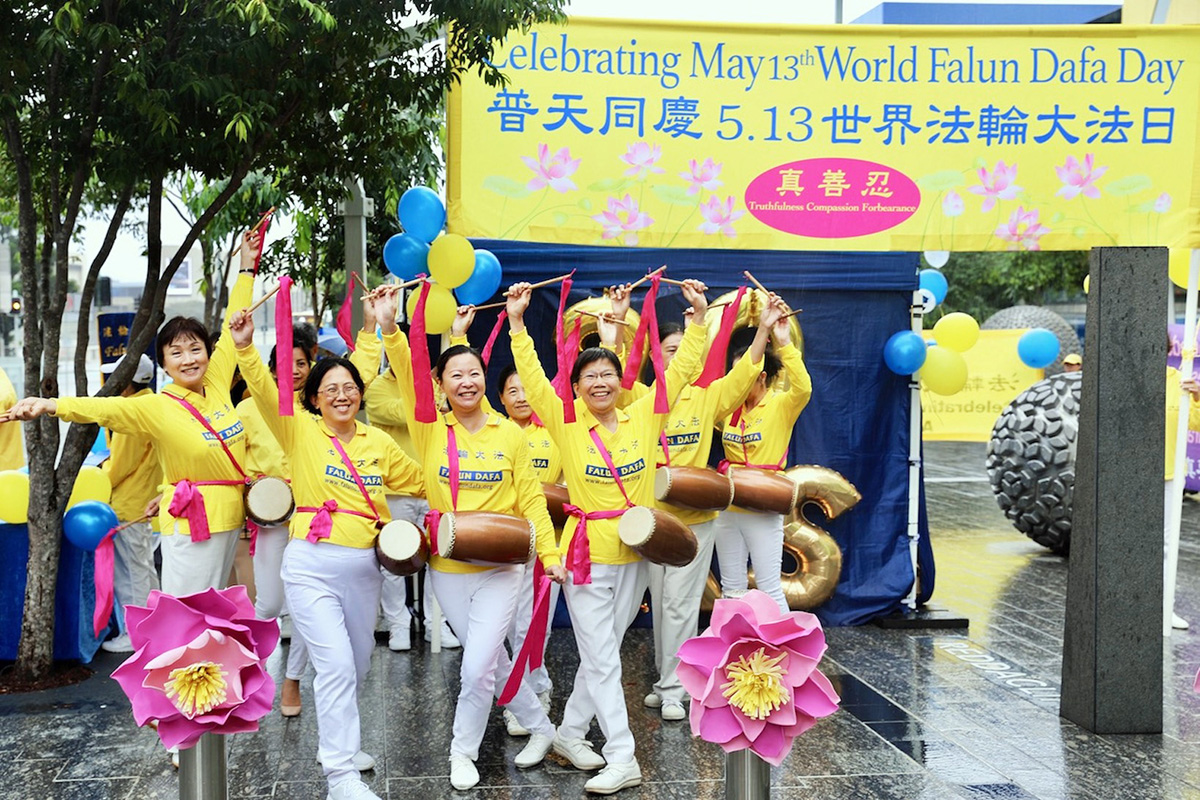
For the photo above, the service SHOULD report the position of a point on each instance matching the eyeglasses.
(592, 377)
(332, 392)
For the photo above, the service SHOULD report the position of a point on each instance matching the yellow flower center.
(197, 688)
(755, 684)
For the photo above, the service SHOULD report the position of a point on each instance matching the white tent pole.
(914, 459)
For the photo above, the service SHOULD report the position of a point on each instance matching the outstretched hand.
(516, 302)
(241, 326)
(464, 318)
(29, 408)
(252, 242)
(620, 297)
(385, 303)
(693, 292)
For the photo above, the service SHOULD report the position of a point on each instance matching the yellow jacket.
(134, 470)
(543, 453)
(1173, 419)
(760, 437)
(12, 452)
(385, 410)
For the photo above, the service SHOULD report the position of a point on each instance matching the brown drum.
(693, 487)
(483, 537)
(400, 548)
(764, 490)
(556, 495)
(658, 536)
(269, 500)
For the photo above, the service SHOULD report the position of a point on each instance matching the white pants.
(538, 679)
(392, 603)
(133, 565)
(759, 533)
(479, 606)
(600, 614)
(189, 567)
(675, 594)
(269, 600)
(333, 592)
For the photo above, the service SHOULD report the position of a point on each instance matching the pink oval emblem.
(832, 198)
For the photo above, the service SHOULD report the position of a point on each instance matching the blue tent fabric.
(858, 419)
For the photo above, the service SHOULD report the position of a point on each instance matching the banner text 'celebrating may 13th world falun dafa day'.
(852, 138)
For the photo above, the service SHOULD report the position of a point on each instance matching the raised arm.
(259, 381)
(799, 383)
(731, 389)
(538, 390)
(685, 366)
(223, 360)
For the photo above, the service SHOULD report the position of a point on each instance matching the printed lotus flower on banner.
(198, 665)
(554, 171)
(642, 158)
(622, 219)
(1079, 177)
(996, 185)
(952, 204)
(702, 175)
(1163, 204)
(753, 677)
(1022, 231)
(719, 217)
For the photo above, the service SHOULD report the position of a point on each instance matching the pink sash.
(723, 467)
(321, 524)
(187, 500)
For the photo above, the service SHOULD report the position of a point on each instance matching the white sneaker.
(544, 699)
(579, 752)
(174, 754)
(362, 761)
(352, 789)
(673, 711)
(463, 774)
(119, 644)
(400, 639)
(614, 778)
(1177, 622)
(652, 700)
(534, 752)
(513, 727)
(449, 640)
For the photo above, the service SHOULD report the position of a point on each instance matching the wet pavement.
(926, 713)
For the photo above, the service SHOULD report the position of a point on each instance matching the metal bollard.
(747, 777)
(202, 770)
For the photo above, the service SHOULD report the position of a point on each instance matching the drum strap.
(666, 448)
(321, 524)
(433, 517)
(187, 501)
(723, 467)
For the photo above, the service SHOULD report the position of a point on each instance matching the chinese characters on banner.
(995, 376)
(868, 138)
(113, 328)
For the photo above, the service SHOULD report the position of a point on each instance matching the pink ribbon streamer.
(104, 582)
(648, 325)
(283, 348)
(714, 364)
(486, 355)
(426, 409)
(342, 321)
(433, 518)
(530, 654)
(187, 501)
(567, 347)
(252, 529)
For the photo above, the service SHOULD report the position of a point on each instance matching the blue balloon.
(935, 282)
(421, 213)
(904, 352)
(1038, 348)
(404, 255)
(86, 523)
(484, 280)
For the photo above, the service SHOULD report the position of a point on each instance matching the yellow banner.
(995, 375)
(832, 138)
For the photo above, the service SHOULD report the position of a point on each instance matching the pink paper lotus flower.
(1079, 177)
(1163, 204)
(198, 664)
(554, 171)
(718, 216)
(642, 158)
(996, 185)
(753, 677)
(952, 204)
(623, 219)
(702, 176)
(1022, 230)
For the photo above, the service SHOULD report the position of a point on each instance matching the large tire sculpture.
(1031, 460)
(1037, 317)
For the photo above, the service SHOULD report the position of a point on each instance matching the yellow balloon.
(440, 308)
(1179, 262)
(14, 497)
(1087, 283)
(451, 260)
(958, 331)
(944, 372)
(92, 483)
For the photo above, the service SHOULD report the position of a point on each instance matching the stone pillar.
(1113, 644)
(355, 209)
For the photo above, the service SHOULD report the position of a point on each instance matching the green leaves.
(505, 186)
(941, 181)
(1128, 185)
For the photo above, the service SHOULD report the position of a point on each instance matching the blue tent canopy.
(858, 419)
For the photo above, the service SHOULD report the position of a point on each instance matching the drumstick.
(605, 317)
(792, 313)
(394, 287)
(261, 220)
(754, 280)
(537, 285)
(647, 277)
(262, 300)
(671, 281)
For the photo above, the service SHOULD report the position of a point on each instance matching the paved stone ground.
(926, 714)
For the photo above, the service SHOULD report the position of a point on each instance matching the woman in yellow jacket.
(198, 436)
(490, 472)
(757, 435)
(608, 461)
(341, 470)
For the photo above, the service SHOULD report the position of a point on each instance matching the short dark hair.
(312, 386)
(740, 342)
(302, 338)
(457, 350)
(505, 374)
(177, 328)
(665, 329)
(591, 356)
